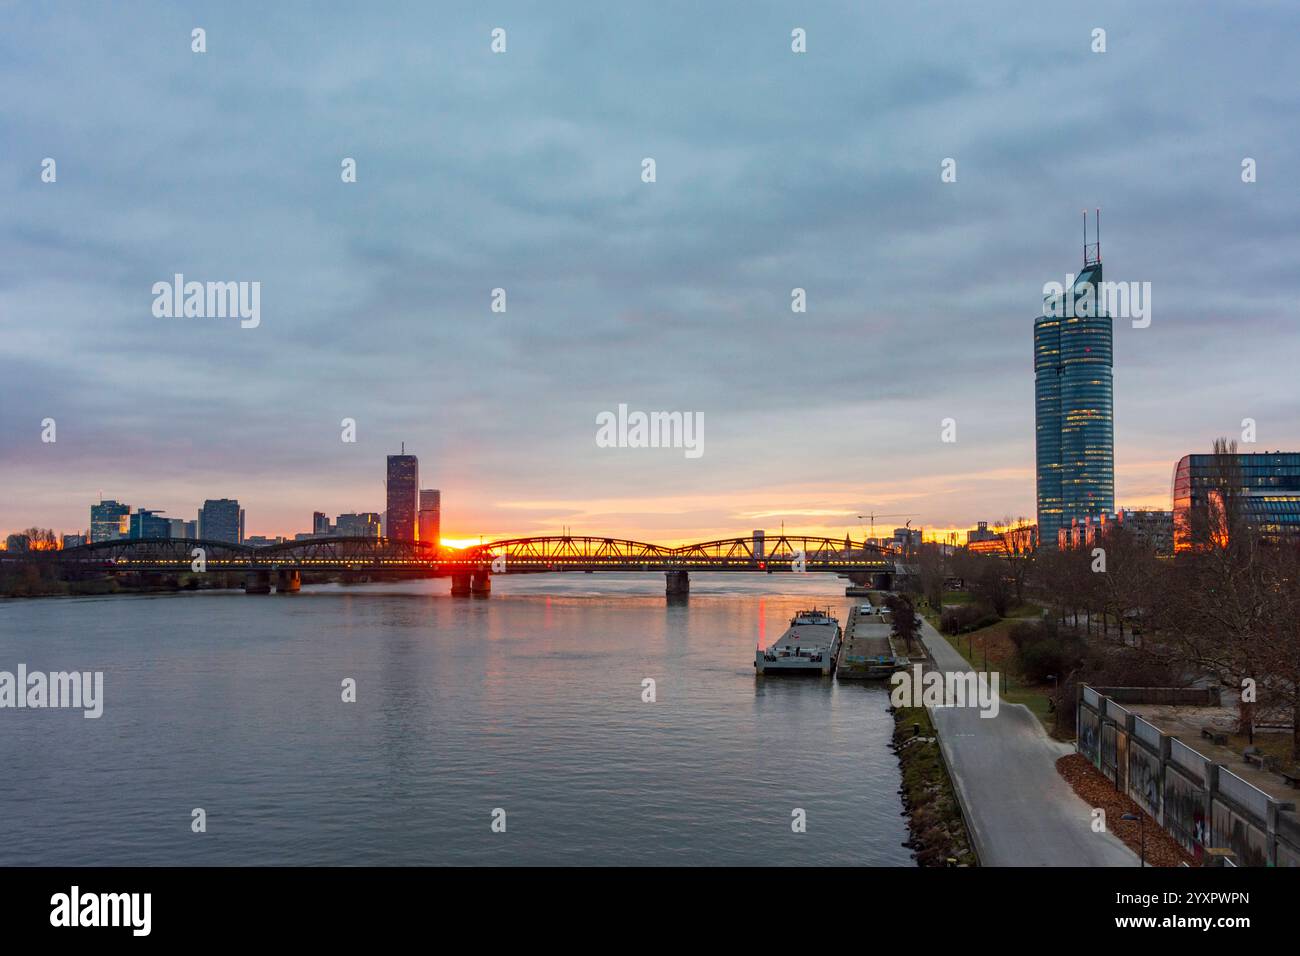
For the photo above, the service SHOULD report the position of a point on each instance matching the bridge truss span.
(539, 554)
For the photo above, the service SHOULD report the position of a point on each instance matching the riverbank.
(28, 584)
(937, 829)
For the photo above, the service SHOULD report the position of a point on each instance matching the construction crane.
(873, 516)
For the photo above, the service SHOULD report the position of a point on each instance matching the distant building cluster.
(220, 519)
(412, 513)
(1152, 528)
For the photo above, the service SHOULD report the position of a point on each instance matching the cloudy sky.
(522, 171)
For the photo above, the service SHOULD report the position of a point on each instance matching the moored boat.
(809, 646)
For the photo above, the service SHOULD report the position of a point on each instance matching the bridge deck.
(513, 556)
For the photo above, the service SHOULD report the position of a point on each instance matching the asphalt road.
(1021, 812)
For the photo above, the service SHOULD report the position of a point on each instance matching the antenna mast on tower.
(1091, 251)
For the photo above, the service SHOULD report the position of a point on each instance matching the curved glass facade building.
(1266, 486)
(1074, 406)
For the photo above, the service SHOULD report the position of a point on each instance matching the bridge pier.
(257, 582)
(677, 583)
(288, 582)
(460, 585)
(480, 584)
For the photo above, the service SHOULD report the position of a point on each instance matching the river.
(528, 702)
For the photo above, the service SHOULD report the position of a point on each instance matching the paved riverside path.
(1020, 810)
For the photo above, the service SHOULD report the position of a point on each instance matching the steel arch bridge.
(532, 555)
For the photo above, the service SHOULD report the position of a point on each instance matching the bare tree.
(1018, 552)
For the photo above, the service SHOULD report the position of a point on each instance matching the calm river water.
(529, 701)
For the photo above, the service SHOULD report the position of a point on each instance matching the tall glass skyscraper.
(403, 496)
(1073, 405)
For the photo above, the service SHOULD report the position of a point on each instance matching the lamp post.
(1142, 836)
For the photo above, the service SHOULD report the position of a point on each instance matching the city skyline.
(685, 435)
(919, 291)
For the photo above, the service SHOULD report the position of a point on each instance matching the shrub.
(1037, 661)
(966, 617)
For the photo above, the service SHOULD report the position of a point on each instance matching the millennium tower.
(1073, 400)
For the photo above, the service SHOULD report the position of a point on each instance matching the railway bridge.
(470, 569)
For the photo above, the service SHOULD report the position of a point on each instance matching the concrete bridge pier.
(257, 582)
(460, 585)
(288, 582)
(677, 583)
(480, 584)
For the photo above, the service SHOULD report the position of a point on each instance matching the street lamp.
(1142, 835)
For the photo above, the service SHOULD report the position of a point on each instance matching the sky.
(523, 171)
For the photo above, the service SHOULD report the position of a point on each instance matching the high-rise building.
(364, 525)
(1263, 487)
(430, 516)
(73, 541)
(1074, 403)
(320, 523)
(109, 520)
(403, 496)
(148, 524)
(758, 542)
(221, 519)
(907, 540)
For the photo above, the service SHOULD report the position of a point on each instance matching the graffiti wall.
(1185, 811)
(1171, 791)
(1090, 734)
(1286, 856)
(1249, 843)
(1108, 749)
(1144, 779)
